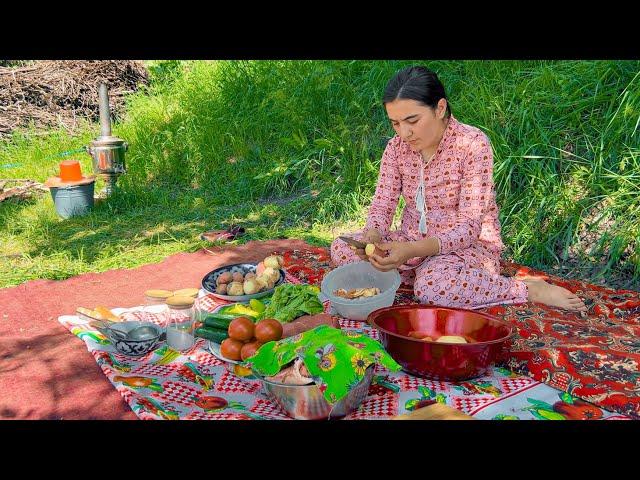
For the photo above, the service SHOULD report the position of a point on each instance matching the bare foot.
(553, 295)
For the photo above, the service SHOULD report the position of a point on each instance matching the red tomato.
(241, 329)
(249, 349)
(268, 329)
(231, 349)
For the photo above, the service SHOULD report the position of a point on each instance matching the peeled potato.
(370, 249)
(451, 339)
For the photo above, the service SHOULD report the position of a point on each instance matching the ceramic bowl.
(209, 282)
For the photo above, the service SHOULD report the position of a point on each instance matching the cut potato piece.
(451, 339)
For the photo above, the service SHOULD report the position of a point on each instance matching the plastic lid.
(70, 171)
(158, 293)
(178, 301)
(187, 292)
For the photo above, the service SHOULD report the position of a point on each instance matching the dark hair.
(416, 83)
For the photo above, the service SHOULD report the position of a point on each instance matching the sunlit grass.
(292, 148)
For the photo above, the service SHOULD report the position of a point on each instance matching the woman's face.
(417, 124)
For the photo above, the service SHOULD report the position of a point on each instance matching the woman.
(448, 244)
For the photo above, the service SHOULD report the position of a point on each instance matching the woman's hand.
(397, 254)
(370, 236)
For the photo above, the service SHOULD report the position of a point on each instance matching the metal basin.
(306, 402)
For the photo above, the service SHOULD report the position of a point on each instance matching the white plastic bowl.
(360, 275)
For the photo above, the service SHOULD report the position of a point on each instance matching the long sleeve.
(476, 191)
(384, 203)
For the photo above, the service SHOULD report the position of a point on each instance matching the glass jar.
(187, 292)
(180, 323)
(155, 303)
(156, 297)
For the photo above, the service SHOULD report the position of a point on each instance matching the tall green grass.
(292, 148)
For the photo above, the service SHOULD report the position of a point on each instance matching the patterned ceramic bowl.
(209, 282)
(131, 347)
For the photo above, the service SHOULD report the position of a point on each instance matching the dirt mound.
(57, 93)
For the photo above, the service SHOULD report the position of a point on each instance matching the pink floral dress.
(461, 212)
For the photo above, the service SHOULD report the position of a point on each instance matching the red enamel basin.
(487, 337)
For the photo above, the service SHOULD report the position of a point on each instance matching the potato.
(224, 278)
(250, 286)
(238, 277)
(260, 268)
(273, 274)
(235, 288)
(221, 289)
(249, 276)
(370, 249)
(451, 339)
(272, 261)
(265, 282)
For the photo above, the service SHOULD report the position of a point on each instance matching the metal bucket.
(74, 200)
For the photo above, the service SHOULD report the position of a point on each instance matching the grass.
(292, 149)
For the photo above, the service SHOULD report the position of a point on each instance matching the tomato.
(268, 329)
(249, 349)
(231, 349)
(241, 329)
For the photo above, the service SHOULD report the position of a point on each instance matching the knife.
(353, 242)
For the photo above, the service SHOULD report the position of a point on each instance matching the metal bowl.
(306, 402)
(209, 281)
(441, 361)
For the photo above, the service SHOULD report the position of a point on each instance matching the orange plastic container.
(70, 171)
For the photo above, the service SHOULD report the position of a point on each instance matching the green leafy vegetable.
(292, 301)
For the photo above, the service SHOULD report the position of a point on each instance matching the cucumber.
(214, 334)
(213, 321)
(223, 316)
